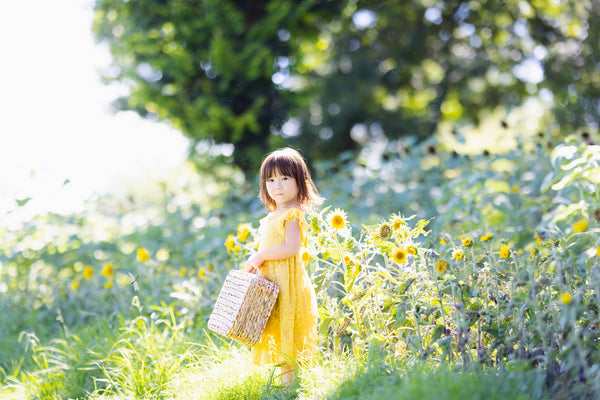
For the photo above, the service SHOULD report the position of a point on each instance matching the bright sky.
(55, 122)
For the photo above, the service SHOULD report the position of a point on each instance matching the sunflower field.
(438, 272)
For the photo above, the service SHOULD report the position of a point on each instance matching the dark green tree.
(329, 75)
(400, 67)
(207, 65)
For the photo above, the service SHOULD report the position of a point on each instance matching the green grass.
(378, 382)
(223, 371)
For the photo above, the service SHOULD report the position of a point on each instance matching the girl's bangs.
(278, 166)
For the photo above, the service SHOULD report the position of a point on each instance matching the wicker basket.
(243, 307)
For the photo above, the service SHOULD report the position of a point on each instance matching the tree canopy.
(328, 75)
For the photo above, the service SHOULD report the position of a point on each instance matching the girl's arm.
(291, 247)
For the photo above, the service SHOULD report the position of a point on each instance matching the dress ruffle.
(292, 214)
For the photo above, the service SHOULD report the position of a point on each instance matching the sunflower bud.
(385, 231)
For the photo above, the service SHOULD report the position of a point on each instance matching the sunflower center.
(337, 221)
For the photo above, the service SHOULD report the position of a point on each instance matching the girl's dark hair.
(288, 162)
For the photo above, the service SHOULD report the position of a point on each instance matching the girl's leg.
(288, 373)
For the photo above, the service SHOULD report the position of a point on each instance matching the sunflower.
(337, 219)
(230, 242)
(597, 251)
(305, 257)
(487, 237)
(108, 270)
(398, 223)
(411, 250)
(384, 232)
(467, 242)
(441, 266)
(243, 232)
(142, 255)
(580, 226)
(88, 272)
(504, 251)
(399, 255)
(566, 298)
(458, 255)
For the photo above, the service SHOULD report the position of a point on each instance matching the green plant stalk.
(382, 319)
(417, 318)
(358, 321)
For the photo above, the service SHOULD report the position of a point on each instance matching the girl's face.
(283, 189)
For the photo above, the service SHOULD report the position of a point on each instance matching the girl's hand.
(253, 263)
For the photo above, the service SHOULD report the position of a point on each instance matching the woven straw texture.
(243, 307)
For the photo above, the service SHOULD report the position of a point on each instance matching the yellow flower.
(230, 242)
(384, 232)
(200, 272)
(411, 250)
(243, 232)
(504, 251)
(399, 255)
(515, 189)
(566, 298)
(441, 266)
(305, 257)
(443, 241)
(236, 249)
(467, 242)
(580, 226)
(209, 267)
(88, 272)
(519, 252)
(142, 255)
(398, 223)
(337, 219)
(182, 271)
(533, 251)
(537, 237)
(597, 251)
(487, 237)
(75, 285)
(108, 284)
(108, 270)
(458, 255)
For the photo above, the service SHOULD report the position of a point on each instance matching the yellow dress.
(291, 331)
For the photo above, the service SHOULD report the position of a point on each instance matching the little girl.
(286, 189)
